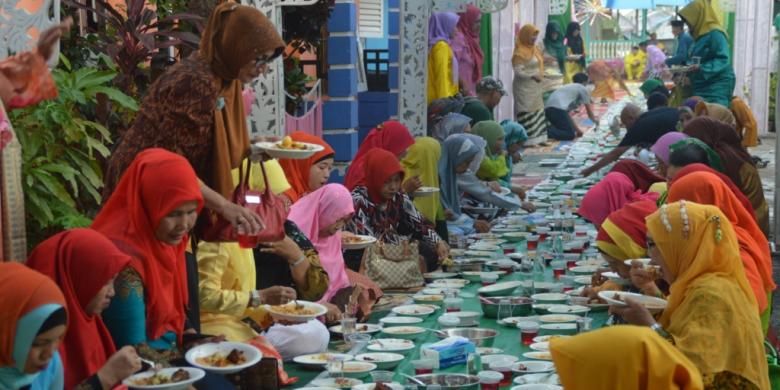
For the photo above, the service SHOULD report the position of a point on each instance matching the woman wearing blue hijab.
(514, 137)
(32, 324)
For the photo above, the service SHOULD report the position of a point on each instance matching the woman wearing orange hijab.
(528, 65)
(309, 174)
(149, 218)
(33, 321)
(707, 188)
(87, 349)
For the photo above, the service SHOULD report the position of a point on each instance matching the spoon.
(152, 365)
(413, 379)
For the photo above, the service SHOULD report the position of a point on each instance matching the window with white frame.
(371, 19)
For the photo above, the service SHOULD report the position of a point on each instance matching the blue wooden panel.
(343, 18)
(345, 144)
(342, 82)
(342, 50)
(340, 114)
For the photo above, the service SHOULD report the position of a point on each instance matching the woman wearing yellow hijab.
(711, 314)
(714, 79)
(622, 357)
(528, 65)
(422, 162)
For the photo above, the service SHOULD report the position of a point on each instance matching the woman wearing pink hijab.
(321, 215)
(465, 46)
(610, 194)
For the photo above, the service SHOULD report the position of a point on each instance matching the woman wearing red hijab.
(391, 136)
(84, 264)
(309, 174)
(384, 212)
(642, 177)
(149, 217)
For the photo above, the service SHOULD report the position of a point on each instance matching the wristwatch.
(255, 299)
(657, 328)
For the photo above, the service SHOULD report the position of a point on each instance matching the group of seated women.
(703, 221)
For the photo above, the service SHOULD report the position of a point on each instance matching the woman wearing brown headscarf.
(737, 163)
(196, 110)
(528, 65)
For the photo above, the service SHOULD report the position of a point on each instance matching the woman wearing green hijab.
(652, 86)
(554, 48)
(494, 166)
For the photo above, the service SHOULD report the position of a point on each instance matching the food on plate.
(403, 330)
(362, 328)
(522, 367)
(234, 358)
(159, 379)
(381, 386)
(351, 239)
(343, 382)
(292, 308)
(288, 143)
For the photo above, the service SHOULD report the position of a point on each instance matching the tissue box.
(448, 352)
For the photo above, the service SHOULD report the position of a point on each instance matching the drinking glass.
(528, 330)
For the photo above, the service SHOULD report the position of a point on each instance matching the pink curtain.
(310, 122)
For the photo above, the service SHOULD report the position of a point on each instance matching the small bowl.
(382, 360)
(521, 306)
(481, 337)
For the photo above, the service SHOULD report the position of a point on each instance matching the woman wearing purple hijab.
(467, 51)
(442, 64)
(661, 149)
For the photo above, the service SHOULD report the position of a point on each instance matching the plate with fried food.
(354, 241)
(224, 357)
(617, 298)
(288, 148)
(173, 378)
(297, 311)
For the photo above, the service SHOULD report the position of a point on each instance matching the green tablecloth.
(508, 339)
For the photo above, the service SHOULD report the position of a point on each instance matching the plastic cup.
(490, 380)
(348, 326)
(533, 242)
(508, 248)
(559, 269)
(528, 330)
(357, 339)
(422, 367)
(543, 233)
(584, 324)
(504, 367)
(382, 376)
(488, 279)
(452, 304)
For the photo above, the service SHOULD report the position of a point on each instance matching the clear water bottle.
(557, 246)
(538, 272)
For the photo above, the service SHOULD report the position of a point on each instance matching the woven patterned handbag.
(395, 266)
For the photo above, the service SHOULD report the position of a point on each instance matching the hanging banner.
(558, 7)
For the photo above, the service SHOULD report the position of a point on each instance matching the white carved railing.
(311, 119)
(607, 50)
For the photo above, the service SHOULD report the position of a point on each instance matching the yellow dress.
(440, 72)
(634, 64)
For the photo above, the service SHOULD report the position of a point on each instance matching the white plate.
(584, 280)
(538, 355)
(316, 309)
(359, 328)
(611, 275)
(439, 275)
(390, 345)
(338, 383)
(567, 326)
(428, 299)
(500, 288)
(477, 276)
(196, 374)
(365, 242)
(425, 191)
(484, 247)
(382, 360)
(546, 339)
(541, 347)
(536, 386)
(584, 269)
(399, 320)
(449, 283)
(474, 253)
(274, 150)
(568, 309)
(533, 367)
(434, 291)
(371, 386)
(318, 388)
(487, 360)
(355, 369)
(513, 321)
(408, 332)
(549, 297)
(540, 285)
(251, 353)
(504, 191)
(482, 351)
(319, 360)
(651, 303)
(536, 379)
(558, 318)
(414, 310)
(645, 261)
(587, 262)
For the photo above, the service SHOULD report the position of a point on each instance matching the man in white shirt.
(563, 100)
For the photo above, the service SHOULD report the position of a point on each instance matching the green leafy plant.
(62, 149)
(295, 84)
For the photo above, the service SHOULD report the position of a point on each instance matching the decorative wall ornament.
(588, 11)
(413, 65)
(16, 23)
(491, 6)
(449, 5)
(558, 7)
